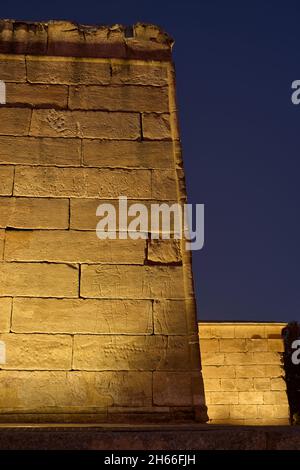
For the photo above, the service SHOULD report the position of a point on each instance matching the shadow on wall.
(291, 364)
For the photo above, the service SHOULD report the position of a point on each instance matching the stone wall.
(242, 372)
(94, 330)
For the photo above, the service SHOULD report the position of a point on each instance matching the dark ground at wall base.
(148, 437)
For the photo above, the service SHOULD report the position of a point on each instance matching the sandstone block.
(2, 238)
(130, 352)
(249, 331)
(278, 383)
(40, 280)
(46, 391)
(268, 412)
(276, 345)
(73, 316)
(215, 330)
(223, 398)
(212, 385)
(256, 345)
(274, 370)
(243, 411)
(238, 358)
(120, 98)
(37, 95)
(237, 384)
(5, 314)
(212, 358)
(209, 345)
(170, 317)
(40, 352)
(218, 372)
(274, 331)
(172, 388)
(67, 71)
(134, 282)
(14, 121)
(85, 124)
(164, 186)
(34, 213)
(12, 68)
(266, 358)
(139, 74)
(261, 383)
(218, 412)
(232, 345)
(83, 212)
(248, 371)
(164, 251)
(82, 182)
(6, 180)
(114, 153)
(40, 151)
(156, 126)
(275, 397)
(251, 398)
(71, 247)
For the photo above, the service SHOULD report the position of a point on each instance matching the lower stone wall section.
(243, 374)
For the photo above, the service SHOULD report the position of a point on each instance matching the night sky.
(235, 63)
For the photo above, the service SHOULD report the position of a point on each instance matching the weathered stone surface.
(164, 185)
(2, 238)
(75, 316)
(139, 74)
(6, 180)
(41, 280)
(212, 372)
(156, 126)
(69, 72)
(12, 68)
(37, 95)
(34, 213)
(164, 251)
(120, 98)
(14, 121)
(40, 151)
(222, 398)
(98, 124)
(37, 352)
(142, 282)
(131, 352)
(83, 212)
(5, 314)
(275, 397)
(170, 317)
(82, 182)
(71, 247)
(102, 153)
(46, 391)
(172, 388)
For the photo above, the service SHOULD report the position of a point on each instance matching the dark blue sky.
(235, 62)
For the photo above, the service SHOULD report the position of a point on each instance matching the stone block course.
(40, 151)
(119, 98)
(71, 247)
(84, 124)
(38, 279)
(34, 213)
(85, 316)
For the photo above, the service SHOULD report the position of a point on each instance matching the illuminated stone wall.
(243, 375)
(93, 330)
